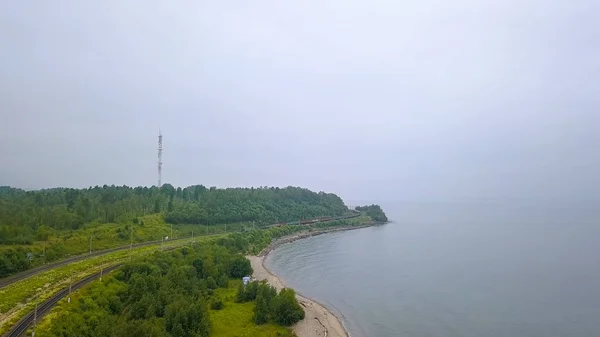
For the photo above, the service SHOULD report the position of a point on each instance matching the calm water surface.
(457, 270)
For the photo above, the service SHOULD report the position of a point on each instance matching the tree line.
(27, 216)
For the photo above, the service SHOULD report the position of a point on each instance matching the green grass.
(235, 319)
(108, 235)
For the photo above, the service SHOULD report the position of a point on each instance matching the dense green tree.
(211, 283)
(187, 319)
(138, 328)
(240, 295)
(261, 309)
(223, 281)
(285, 308)
(247, 293)
(240, 267)
(199, 266)
(268, 293)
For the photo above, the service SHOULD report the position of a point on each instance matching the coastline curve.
(319, 320)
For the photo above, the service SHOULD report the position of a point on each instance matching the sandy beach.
(318, 320)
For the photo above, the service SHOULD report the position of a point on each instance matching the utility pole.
(131, 244)
(101, 267)
(70, 287)
(131, 239)
(35, 314)
(90, 244)
(171, 231)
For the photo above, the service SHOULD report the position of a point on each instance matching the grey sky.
(381, 100)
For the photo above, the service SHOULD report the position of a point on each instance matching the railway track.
(31, 272)
(21, 327)
(315, 220)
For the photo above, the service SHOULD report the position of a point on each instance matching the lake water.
(457, 270)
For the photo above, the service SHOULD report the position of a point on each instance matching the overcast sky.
(373, 100)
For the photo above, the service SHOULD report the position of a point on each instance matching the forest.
(186, 292)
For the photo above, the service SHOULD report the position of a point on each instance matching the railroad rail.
(33, 271)
(316, 220)
(21, 327)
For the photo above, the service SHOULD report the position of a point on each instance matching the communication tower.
(160, 149)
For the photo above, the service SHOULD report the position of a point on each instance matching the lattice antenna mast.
(160, 150)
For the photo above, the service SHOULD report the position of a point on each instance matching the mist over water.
(461, 269)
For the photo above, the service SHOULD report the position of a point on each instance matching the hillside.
(37, 227)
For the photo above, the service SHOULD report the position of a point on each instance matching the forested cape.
(38, 227)
(26, 216)
(373, 211)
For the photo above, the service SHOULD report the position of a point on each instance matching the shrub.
(216, 303)
(240, 267)
(261, 309)
(211, 283)
(285, 308)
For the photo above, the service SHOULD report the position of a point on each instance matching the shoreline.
(303, 235)
(318, 320)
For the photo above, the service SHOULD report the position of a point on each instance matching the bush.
(264, 297)
(223, 281)
(187, 318)
(247, 293)
(211, 283)
(216, 303)
(261, 309)
(240, 267)
(285, 308)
